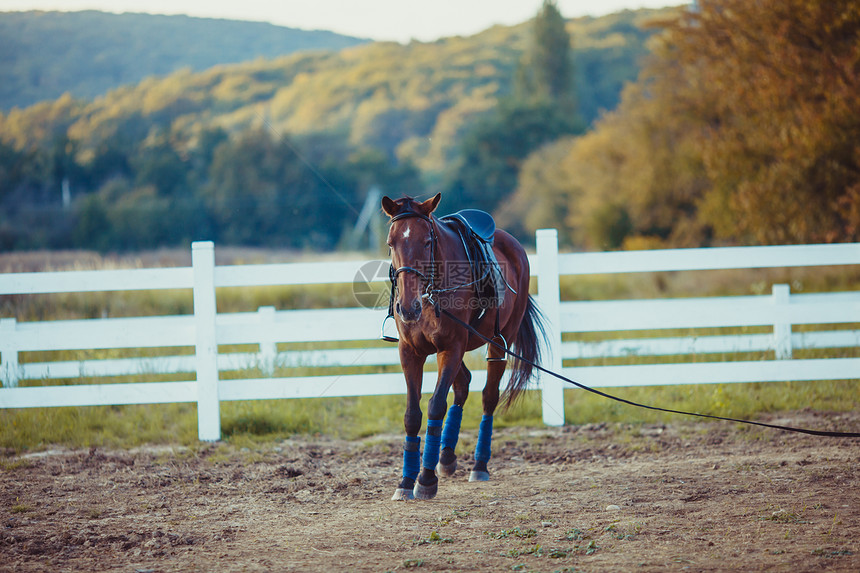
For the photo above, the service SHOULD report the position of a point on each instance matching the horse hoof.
(401, 494)
(479, 476)
(446, 470)
(425, 491)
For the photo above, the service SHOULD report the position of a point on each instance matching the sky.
(397, 20)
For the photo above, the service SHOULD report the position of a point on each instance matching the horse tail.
(527, 344)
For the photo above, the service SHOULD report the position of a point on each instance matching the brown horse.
(425, 281)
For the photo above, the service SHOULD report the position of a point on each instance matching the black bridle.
(430, 290)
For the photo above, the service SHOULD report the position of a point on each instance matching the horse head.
(412, 240)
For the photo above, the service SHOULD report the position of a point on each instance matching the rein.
(486, 339)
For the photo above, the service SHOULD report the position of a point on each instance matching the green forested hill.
(413, 101)
(45, 54)
(282, 151)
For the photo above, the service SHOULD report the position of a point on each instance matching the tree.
(742, 128)
(161, 166)
(770, 91)
(262, 192)
(11, 161)
(541, 110)
(541, 199)
(92, 228)
(493, 152)
(642, 157)
(546, 69)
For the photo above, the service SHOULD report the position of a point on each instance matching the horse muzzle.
(410, 313)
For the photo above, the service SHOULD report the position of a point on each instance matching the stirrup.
(502, 342)
(388, 337)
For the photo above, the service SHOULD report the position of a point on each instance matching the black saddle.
(476, 229)
(479, 222)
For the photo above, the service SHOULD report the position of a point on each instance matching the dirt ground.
(682, 497)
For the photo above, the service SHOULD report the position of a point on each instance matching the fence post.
(268, 346)
(206, 347)
(781, 327)
(9, 353)
(549, 297)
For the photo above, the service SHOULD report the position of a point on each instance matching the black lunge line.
(472, 330)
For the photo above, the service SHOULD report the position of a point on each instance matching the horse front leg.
(449, 366)
(451, 431)
(413, 368)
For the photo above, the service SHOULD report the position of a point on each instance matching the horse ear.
(430, 205)
(389, 206)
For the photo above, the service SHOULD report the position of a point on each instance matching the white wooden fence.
(206, 329)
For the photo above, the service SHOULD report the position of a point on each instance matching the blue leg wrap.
(411, 457)
(431, 444)
(485, 439)
(451, 432)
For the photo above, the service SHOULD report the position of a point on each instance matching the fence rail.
(646, 326)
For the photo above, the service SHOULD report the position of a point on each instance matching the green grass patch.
(34, 429)
(745, 401)
(255, 421)
(515, 532)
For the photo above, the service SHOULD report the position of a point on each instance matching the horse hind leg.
(451, 432)
(482, 450)
(490, 397)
